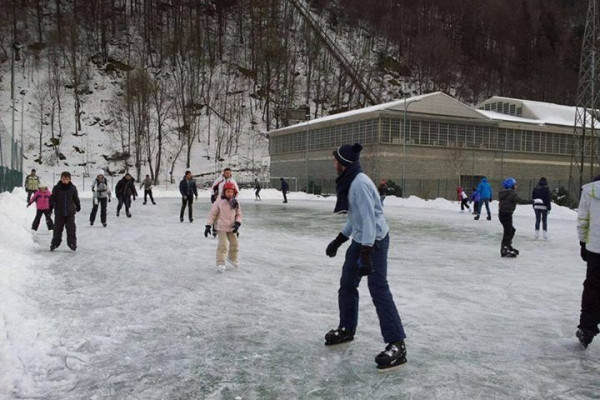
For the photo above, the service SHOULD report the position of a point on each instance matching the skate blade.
(392, 368)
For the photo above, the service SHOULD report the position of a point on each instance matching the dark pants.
(284, 196)
(186, 201)
(148, 192)
(389, 319)
(509, 229)
(38, 218)
(464, 203)
(590, 298)
(543, 215)
(475, 207)
(487, 206)
(102, 203)
(29, 194)
(124, 200)
(61, 222)
(257, 193)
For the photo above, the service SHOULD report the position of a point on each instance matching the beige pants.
(227, 239)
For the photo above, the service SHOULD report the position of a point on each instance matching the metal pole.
(12, 98)
(406, 105)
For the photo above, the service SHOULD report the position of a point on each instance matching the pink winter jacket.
(41, 199)
(225, 216)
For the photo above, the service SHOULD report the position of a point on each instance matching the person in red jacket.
(41, 198)
(462, 198)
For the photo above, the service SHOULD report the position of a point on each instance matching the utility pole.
(585, 135)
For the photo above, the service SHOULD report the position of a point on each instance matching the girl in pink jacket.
(41, 198)
(227, 213)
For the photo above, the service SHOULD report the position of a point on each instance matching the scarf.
(342, 187)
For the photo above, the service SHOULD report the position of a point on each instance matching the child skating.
(508, 200)
(41, 198)
(227, 214)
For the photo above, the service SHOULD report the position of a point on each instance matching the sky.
(139, 311)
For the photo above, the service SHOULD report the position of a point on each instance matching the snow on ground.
(140, 312)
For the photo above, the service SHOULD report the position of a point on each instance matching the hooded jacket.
(541, 196)
(508, 200)
(588, 216)
(226, 215)
(65, 199)
(485, 190)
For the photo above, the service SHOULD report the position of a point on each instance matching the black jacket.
(126, 187)
(65, 199)
(542, 192)
(509, 199)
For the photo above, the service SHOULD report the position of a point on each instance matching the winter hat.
(347, 155)
(42, 186)
(543, 181)
(100, 172)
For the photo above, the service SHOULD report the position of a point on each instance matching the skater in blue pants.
(367, 256)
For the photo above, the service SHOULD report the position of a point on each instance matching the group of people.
(366, 227)
(507, 201)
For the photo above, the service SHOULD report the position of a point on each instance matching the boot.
(337, 336)
(537, 233)
(585, 337)
(394, 355)
(505, 251)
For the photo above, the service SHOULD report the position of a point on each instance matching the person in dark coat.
(542, 206)
(475, 197)
(256, 189)
(188, 189)
(124, 190)
(508, 200)
(65, 201)
(284, 189)
(382, 189)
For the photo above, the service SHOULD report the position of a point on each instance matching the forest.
(208, 73)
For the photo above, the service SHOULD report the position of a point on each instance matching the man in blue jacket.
(367, 256)
(485, 194)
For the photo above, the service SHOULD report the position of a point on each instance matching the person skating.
(508, 200)
(226, 214)
(256, 189)
(475, 197)
(541, 206)
(41, 198)
(32, 182)
(101, 196)
(285, 188)
(366, 256)
(65, 202)
(382, 189)
(187, 188)
(462, 198)
(485, 196)
(588, 230)
(125, 190)
(147, 185)
(220, 182)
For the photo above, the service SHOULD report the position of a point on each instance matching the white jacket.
(588, 216)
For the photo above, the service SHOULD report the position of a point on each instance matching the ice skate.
(537, 233)
(506, 251)
(221, 267)
(585, 337)
(337, 336)
(545, 233)
(476, 217)
(234, 264)
(393, 356)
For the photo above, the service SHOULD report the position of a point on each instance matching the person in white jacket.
(588, 229)
(227, 215)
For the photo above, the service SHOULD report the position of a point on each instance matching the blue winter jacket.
(485, 190)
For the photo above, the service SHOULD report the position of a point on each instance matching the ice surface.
(140, 311)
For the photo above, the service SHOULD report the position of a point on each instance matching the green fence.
(9, 179)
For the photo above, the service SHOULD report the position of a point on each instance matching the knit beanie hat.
(100, 172)
(347, 155)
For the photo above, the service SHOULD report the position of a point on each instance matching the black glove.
(207, 230)
(236, 226)
(78, 208)
(333, 247)
(109, 199)
(365, 266)
(583, 251)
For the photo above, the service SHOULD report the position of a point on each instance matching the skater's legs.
(222, 247)
(348, 291)
(233, 247)
(590, 298)
(59, 225)
(389, 319)
(71, 230)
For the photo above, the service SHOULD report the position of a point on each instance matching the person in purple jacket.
(367, 256)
